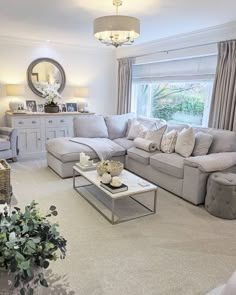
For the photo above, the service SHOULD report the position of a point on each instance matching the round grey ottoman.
(221, 195)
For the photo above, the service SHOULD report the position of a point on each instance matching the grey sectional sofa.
(179, 175)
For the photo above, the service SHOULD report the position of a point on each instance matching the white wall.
(93, 68)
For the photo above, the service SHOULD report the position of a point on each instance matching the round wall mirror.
(45, 73)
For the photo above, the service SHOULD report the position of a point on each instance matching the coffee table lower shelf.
(113, 218)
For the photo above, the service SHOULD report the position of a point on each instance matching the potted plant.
(50, 94)
(28, 243)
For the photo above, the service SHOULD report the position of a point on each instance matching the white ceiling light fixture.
(116, 30)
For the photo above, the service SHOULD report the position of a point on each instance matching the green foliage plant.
(28, 243)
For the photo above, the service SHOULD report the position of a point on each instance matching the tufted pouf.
(221, 195)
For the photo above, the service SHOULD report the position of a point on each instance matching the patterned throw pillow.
(156, 136)
(185, 142)
(168, 142)
(136, 130)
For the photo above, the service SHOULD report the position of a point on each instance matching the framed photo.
(31, 106)
(71, 107)
(62, 107)
(40, 108)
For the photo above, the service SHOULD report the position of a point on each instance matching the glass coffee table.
(138, 201)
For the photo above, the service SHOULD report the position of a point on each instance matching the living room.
(130, 147)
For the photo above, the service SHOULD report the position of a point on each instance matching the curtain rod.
(176, 49)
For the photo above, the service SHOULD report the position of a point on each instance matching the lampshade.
(116, 30)
(15, 90)
(82, 92)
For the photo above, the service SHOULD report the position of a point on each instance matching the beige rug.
(182, 250)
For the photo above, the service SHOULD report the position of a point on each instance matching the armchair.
(8, 143)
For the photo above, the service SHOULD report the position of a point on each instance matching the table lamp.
(82, 93)
(15, 90)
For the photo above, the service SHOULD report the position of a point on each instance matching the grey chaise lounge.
(8, 143)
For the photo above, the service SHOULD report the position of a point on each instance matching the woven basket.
(5, 183)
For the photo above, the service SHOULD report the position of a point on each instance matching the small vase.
(106, 178)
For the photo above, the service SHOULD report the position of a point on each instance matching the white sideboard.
(34, 129)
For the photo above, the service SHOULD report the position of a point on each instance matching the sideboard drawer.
(56, 122)
(29, 122)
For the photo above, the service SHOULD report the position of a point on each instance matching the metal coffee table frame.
(112, 219)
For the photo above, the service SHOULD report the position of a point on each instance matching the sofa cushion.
(223, 141)
(4, 144)
(171, 164)
(177, 127)
(185, 142)
(156, 135)
(68, 151)
(141, 155)
(203, 142)
(148, 123)
(136, 130)
(124, 142)
(168, 141)
(92, 126)
(117, 125)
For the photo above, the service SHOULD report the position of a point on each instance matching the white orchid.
(4, 208)
(50, 93)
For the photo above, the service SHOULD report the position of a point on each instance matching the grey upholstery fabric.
(90, 126)
(217, 291)
(223, 141)
(223, 111)
(67, 151)
(124, 85)
(171, 164)
(11, 151)
(221, 195)
(117, 125)
(203, 143)
(141, 155)
(168, 182)
(4, 144)
(124, 142)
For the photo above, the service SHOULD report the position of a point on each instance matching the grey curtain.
(124, 85)
(223, 104)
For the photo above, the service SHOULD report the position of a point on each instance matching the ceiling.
(71, 21)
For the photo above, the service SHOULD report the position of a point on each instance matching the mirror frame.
(56, 64)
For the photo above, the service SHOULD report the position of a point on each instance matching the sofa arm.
(212, 162)
(12, 134)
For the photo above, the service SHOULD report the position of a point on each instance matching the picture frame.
(71, 107)
(62, 107)
(40, 108)
(31, 106)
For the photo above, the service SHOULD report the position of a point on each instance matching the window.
(178, 91)
(174, 101)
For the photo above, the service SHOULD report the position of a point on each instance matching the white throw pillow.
(230, 286)
(156, 136)
(168, 142)
(136, 130)
(185, 142)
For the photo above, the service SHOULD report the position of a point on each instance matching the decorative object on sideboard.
(71, 107)
(31, 106)
(113, 167)
(44, 73)
(82, 93)
(116, 30)
(15, 91)
(29, 242)
(50, 94)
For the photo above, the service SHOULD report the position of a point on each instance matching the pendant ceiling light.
(116, 30)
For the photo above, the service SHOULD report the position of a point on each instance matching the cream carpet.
(182, 250)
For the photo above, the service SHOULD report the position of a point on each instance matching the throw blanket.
(144, 144)
(212, 162)
(103, 147)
